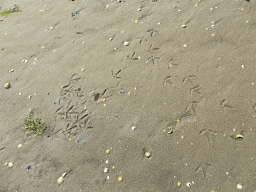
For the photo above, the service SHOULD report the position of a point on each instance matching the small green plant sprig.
(34, 125)
(3, 13)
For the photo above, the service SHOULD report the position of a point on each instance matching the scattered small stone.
(10, 164)
(7, 85)
(126, 43)
(106, 170)
(147, 154)
(20, 145)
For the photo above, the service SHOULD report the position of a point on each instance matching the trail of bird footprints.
(73, 112)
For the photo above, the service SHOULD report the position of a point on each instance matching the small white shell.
(106, 170)
(64, 174)
(60, 180)
(239, 186)
(10, 164)
(20, 145)
(126, 43)
(188, 184)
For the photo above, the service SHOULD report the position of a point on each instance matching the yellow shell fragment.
(107, 151)
(136, 21)
(7, 85)
(20, 145)
(239, 136)
(120, 179)
(183, 26)
(147, 154)
(179, 183)
(82, 69)
(185, 45)
(113, 167)
(213, 35)
(104, 99)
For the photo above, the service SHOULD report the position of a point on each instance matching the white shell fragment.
(239, 186)
(10, 164)
(106, 170)
(126, 43)
(188, 184)
(133, 128)
(12, 70)
(20, 145)
(64, 174)
(60, 180)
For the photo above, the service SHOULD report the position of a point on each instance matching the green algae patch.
(3, 13)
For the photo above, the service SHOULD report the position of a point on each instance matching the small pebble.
(20, 145)
(7, 85)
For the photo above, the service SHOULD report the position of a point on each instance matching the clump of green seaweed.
(3, 13)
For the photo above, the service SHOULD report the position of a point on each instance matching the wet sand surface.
(114, 80)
